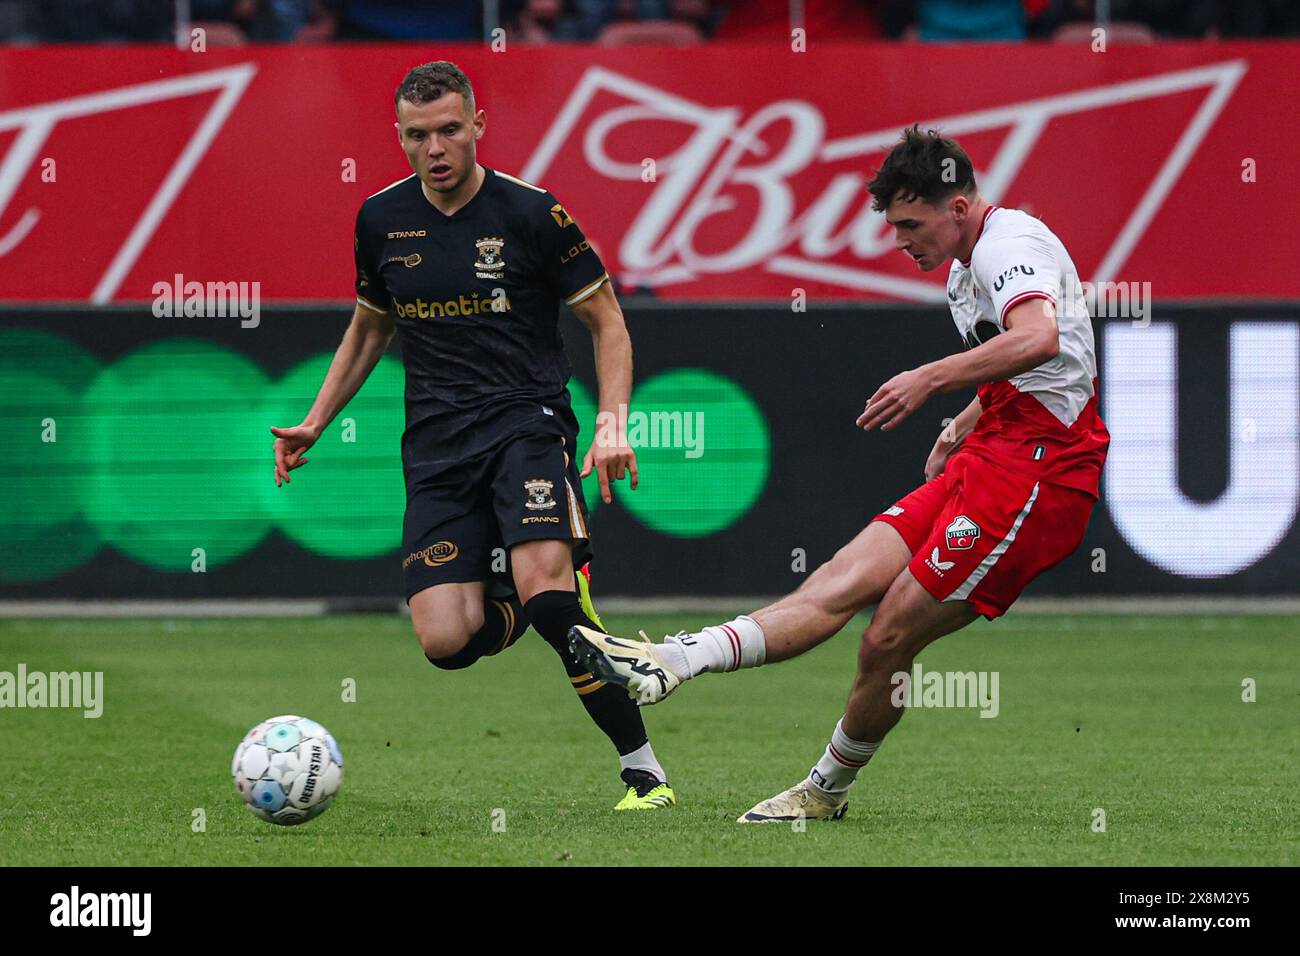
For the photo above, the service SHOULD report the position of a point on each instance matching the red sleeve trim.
(1023, 297)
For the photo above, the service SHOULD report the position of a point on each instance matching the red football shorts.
(980, 533)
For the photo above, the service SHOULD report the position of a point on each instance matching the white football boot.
(633, 664)
(802, 801)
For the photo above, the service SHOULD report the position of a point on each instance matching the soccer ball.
(287, 770)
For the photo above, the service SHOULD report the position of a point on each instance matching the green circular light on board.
(42, 433)
(168, 450)
(177, 448)
(584, 407)
(348, 500)
(703, 452)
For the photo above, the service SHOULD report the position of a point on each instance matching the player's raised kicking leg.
(855, 578)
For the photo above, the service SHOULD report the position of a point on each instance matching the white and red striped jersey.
(1042, 422)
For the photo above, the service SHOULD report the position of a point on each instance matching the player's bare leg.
(445, 616)
(907, 619)
(542, 566)
(544, 578)
(855, 578)
(456, 624)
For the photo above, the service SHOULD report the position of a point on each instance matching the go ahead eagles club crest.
(490, 260)
(539, 494)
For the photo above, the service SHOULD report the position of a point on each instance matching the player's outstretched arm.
(365, 341)
(1031, 338)
(610, 455)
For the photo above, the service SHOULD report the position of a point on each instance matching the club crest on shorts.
(490, 258)
(539, 494)
(961, 534)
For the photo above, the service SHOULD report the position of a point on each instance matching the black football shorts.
(461, 526)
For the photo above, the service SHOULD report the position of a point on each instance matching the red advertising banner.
(733, 172)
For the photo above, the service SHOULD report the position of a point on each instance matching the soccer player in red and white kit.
(1009, 488)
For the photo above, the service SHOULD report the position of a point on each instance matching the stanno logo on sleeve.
(961, 534)
(561, 216)
(490, 262)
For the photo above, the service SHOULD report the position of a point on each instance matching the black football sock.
(552, 613)
(507, 620)
(503, 623)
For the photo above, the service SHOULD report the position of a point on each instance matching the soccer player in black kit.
(469, 266)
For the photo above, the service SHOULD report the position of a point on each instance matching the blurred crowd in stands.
(622, 22)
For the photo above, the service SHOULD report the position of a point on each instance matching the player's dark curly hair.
(922, 164)
(428, 81)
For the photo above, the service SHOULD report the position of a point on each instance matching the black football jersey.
(476, 298)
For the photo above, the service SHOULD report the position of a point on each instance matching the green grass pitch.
(1142, 717)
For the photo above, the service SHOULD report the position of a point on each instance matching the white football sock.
(643, 758)
(723, 647)
(839, 766)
